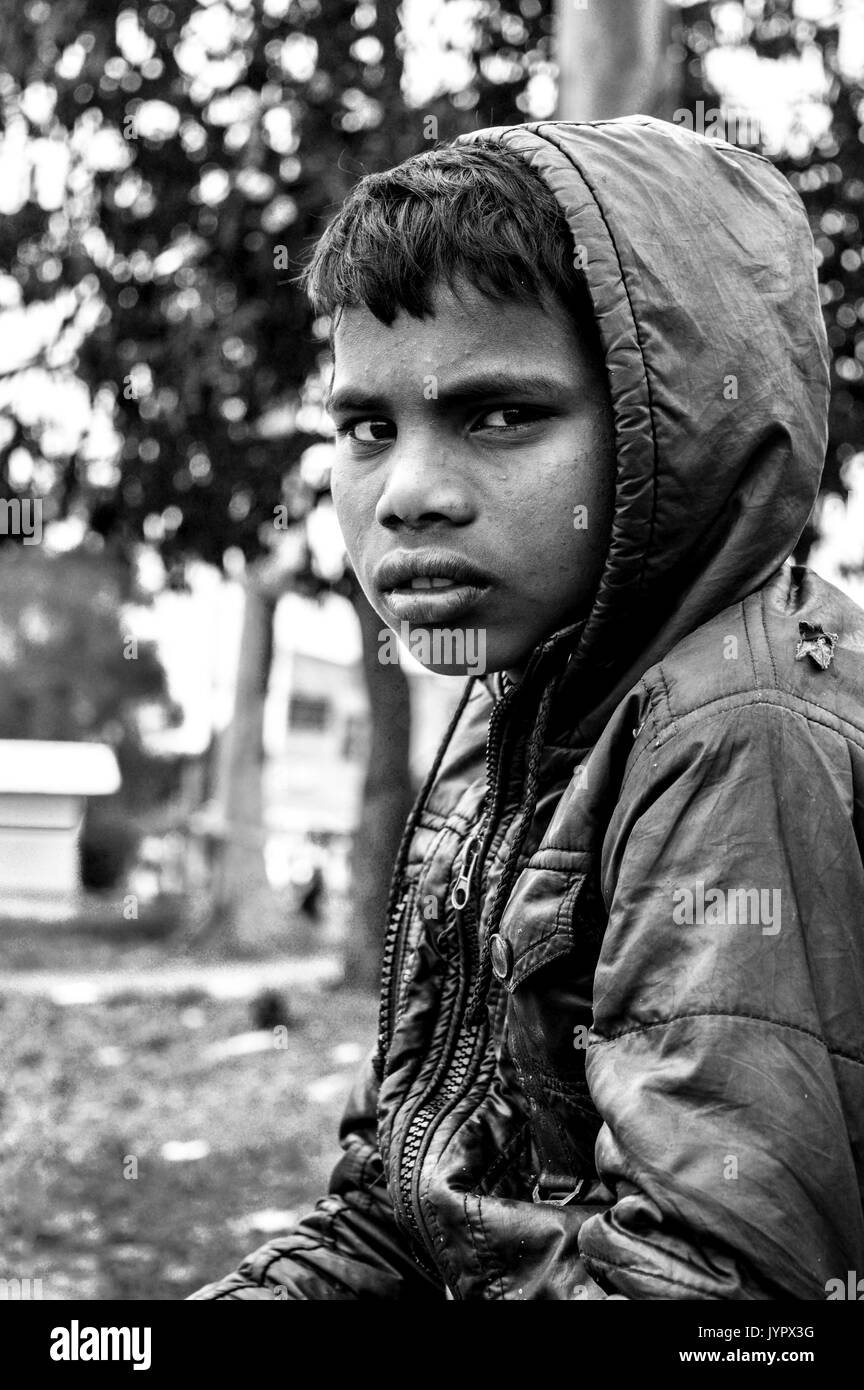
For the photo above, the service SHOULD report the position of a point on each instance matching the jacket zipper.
(457, 1066)
(391, 968)
(461, 890)
(460, 893)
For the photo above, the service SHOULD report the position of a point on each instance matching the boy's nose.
(423, 486)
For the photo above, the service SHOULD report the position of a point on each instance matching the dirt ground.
(142, 1152)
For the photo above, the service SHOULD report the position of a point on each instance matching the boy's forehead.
(468, 333)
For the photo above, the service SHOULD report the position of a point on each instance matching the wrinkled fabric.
(665, 1097)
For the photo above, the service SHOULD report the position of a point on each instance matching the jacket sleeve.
(726, 1054)
(349, 1247)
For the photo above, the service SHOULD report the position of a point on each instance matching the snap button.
(501, 955)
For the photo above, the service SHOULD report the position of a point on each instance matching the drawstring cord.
(477, 1003)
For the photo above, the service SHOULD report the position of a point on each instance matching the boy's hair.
(477, 211)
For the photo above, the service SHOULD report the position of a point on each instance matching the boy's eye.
(366, 431)
(508, 417)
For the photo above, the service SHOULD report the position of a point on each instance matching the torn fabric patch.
(817, 644)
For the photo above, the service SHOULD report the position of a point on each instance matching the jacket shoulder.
(797, 641)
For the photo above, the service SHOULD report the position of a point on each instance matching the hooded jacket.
(621, 1039)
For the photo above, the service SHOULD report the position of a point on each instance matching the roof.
(57, 769)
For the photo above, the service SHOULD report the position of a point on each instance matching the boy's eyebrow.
(478, 384)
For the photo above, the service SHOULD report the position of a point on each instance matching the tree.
(615, 59)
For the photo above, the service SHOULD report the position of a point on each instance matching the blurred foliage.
(826, 170)
(205, 147)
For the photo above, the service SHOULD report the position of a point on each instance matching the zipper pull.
(461, 890)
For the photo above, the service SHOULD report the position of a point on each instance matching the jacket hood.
(699, 263)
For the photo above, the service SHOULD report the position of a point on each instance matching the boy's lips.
(425, 585)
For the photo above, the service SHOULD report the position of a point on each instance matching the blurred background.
(204, 769)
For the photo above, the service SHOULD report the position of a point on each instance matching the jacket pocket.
(552, 911)
(545, 957)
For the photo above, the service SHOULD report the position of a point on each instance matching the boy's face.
(474, 474)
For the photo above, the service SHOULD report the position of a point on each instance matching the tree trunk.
(387, 798)
(387, 792)
(239, 871)
(614, 60)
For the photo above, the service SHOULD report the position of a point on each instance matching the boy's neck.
(504, 681)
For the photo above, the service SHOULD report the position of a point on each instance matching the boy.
(580, 393)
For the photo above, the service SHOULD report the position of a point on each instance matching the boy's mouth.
(430, 581)
(424, 586)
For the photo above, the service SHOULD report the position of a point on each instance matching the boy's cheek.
(354, 512)
(338, 491)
